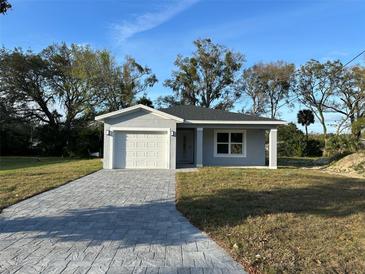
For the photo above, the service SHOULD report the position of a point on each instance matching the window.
(222, 143)
(230, 143)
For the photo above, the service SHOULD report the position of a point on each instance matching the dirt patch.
(352, 165)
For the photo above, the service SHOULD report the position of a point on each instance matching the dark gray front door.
(185, 146)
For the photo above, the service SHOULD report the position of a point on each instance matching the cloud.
(150, 20)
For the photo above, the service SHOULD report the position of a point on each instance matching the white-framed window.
(229, 143)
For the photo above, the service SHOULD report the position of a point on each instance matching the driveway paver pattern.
(111, 221)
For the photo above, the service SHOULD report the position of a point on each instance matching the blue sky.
(154, 32)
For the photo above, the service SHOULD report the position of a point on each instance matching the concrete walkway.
(107, 222)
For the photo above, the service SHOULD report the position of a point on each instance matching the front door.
(185, 146)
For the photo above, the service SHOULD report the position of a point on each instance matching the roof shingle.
(189, 112)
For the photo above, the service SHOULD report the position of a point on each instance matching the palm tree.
(305, 118)
(4, 6)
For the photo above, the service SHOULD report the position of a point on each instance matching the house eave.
(221, 122)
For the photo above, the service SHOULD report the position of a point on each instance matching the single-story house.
(183, 136)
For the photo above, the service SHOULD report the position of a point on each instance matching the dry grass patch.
(280, 221)
(23, 177)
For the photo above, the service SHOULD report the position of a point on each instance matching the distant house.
(183, 136)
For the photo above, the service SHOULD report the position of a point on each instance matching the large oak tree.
(315, 87)
(121, 85)
(348, 97)
(207, 78)
(268, 86)
(24, 81)
(63, 87)
(71, 80)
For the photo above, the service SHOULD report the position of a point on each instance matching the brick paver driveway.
(109, 221)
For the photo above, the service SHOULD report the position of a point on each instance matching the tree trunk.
(356, 133)
(306, 133)
(322, 120)
(43, 105)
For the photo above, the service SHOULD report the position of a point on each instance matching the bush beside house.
(293, 143)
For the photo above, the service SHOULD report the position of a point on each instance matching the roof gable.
(136, 108)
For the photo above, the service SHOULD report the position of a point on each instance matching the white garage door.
(145, 150)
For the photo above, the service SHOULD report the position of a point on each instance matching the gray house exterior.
(186, 136)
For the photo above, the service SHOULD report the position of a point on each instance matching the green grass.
(279, 221)
(8, 163)
(303, 161)
(23, 177)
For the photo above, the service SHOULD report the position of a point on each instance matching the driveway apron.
(112, 221)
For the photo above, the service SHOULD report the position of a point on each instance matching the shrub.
(15, 139)
(291, 141)
(314, 148)
(79, 141)
(342, 144)
(84, 140)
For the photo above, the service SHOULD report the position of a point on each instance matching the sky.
(154, 32)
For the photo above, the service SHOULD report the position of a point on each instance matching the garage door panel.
(130, 150)
(144, 150)
(153, 154)
(143, 154)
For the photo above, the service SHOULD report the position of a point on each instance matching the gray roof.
(208, 114)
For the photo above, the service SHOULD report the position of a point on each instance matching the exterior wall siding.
(138, 119)
(255, 149)
(255, 139)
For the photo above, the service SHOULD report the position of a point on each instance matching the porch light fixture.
(109, 132)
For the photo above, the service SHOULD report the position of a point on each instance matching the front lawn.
(303, 161)
(23, 177)
(279, 221)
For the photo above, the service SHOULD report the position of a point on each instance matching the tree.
(357, 127)
(291, 141)
(15, 132)
(252, 87)
(168, 101)
(24, 81)
(315, 87)
(61, 88)
(4, 6)
(305, 118)
(348, 97)
(207, 78)
(145, 101)
(71, 78)
(119, 85)
(268, 85)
